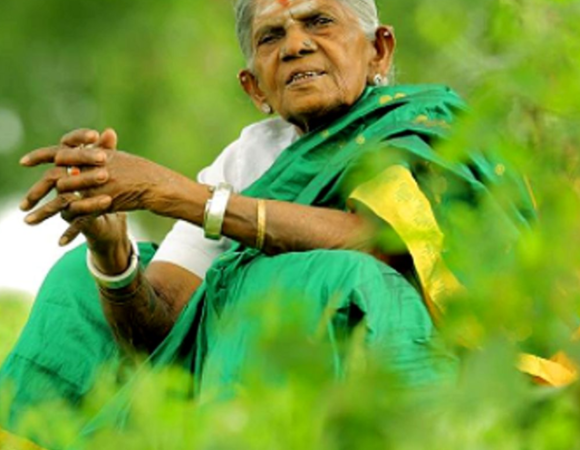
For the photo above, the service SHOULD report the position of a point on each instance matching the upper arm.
(172, 284)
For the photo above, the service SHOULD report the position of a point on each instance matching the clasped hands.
(92, 200)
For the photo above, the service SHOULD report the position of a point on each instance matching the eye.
(320, 21)
(268, 38)
(265, 39)
(269, 35)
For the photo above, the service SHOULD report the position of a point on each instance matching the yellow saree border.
(558, 371)
(9, 441)
(405, 208)
(396, 198)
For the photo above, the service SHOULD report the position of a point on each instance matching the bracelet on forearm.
(215, 210)
(116, 281)
(261, 224)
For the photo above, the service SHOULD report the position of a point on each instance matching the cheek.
(266, 80)
(352, 67)
(351, 80)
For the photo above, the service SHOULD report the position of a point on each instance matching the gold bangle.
(261, 234)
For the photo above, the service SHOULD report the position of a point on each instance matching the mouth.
(304, 76)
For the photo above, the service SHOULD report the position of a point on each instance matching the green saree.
(217, 335)
(317, 170)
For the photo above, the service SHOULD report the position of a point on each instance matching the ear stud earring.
(266, 108)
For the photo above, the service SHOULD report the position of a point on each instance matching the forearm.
(289, 226)
(292, 227)
(139, 318)
(142, 312)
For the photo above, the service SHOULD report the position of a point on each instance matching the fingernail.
(24, 160)
(104, 203)
(100, 157)
(29, 219)
(24, 206)
(63, 241)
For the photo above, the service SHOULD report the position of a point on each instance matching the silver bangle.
(116, 281)
(215, 210)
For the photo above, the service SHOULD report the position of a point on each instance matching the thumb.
(108, 139)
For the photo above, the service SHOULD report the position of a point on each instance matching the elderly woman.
(277, 212)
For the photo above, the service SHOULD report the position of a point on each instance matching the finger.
(53, 207)
(40, 156)
(80, 156)
(82, 136)
(41, 188)
(94, 206)
(87, 179)
(108, 139)
(74, 229)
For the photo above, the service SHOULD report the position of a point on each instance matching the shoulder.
(419, 96)
(438, 92)
(249, 156)
(427, 104)
(268, 131)
(266, 136)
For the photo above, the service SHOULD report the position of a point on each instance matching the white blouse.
(240, 164)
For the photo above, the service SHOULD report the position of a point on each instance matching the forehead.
(270, 10)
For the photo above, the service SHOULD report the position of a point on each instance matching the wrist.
(119, 280)
(215, 210)
(111, 257)
(182, 199)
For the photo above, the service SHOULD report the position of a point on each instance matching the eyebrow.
(298, 13)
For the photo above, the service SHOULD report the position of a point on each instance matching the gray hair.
(365, 10)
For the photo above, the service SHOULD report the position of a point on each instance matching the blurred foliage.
(13, 313)
(163, 74)
(491, 406)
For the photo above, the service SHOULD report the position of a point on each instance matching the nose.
(297, 43)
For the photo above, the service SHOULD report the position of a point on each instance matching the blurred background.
(163, 74)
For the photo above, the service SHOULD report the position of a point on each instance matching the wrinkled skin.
(312, 36)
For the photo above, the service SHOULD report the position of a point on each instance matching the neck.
(306, 124)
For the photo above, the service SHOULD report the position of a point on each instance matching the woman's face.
(311, 59)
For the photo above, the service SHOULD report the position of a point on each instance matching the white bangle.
(215, 210)
(116, 281)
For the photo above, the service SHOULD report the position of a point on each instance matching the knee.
(349, 264)
(346, 257)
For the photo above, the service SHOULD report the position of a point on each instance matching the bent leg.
(65, 341)
(347, 288)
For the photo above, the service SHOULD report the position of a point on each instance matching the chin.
(311, 113)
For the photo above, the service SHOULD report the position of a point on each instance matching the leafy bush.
(517, 65)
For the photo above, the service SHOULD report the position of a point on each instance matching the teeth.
(302, 75)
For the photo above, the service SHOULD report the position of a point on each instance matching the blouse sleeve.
(185, 245)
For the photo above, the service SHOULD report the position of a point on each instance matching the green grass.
(14, 309)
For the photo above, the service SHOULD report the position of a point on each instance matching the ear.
(251, 86)
(384, 46)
